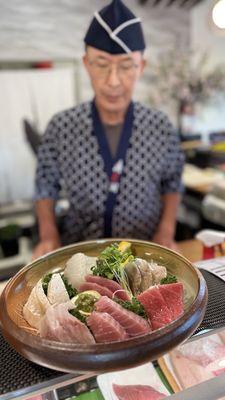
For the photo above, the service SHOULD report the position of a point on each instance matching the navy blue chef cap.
(115, 30)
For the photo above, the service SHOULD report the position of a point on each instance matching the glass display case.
(27, 381)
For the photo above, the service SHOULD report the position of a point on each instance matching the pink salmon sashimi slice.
(173, 295)
(59, 325)
(205, 351)
(113, 286)
(132, 323)
(137, 392)
(105, 328)
(155, 307)
(188, 372)
(103, 291)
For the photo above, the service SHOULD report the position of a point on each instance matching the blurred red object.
(212, 252)
(208, 252)
(43, 64)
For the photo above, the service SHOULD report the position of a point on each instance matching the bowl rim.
(24, 336)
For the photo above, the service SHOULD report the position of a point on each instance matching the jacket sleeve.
(47, 180)
(173, 162)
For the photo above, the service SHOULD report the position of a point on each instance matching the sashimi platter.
(102, 305)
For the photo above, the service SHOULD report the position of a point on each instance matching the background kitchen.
(41, 45)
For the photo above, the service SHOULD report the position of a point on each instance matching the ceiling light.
(218, 14)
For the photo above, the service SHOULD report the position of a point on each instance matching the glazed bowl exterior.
(100, 357)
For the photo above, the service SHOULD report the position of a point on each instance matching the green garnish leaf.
(133, 305)
(78, 315)
(70, 289)
(110, 264)
(45, 281)
(169, 279)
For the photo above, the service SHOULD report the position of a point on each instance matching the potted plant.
(9, 239)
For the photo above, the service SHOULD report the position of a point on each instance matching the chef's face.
(113, 77)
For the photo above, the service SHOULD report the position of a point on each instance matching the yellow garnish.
(129, 258)
(124, 246)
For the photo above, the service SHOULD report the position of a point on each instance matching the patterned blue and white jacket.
(120, 197)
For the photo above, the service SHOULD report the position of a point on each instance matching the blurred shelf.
(191, 144)
(17, 208)
(24, 221)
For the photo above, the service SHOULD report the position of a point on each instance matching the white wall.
(206, 38)
(35, 95)
(56, 28)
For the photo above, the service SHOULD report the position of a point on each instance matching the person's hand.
(165, 238)
(44, 247)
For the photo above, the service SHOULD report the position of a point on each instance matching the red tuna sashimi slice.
(155, 307)
(103, 291)
(105, 328)
(59, 325)
(132, 323)
(110, 284)
(173, 296)
(137, 392)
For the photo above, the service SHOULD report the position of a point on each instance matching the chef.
(117, 161)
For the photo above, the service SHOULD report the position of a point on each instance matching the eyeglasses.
(102, 69)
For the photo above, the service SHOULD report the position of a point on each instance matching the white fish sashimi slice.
(35, 307)
(77, 267)
(57, 292)
(43, 300)
(32, 310)
(90, 261)
(49, 327)
(59, 325)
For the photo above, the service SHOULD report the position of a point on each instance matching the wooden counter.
(191, 249)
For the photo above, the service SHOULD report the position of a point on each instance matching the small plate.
(143, 375)
(100, 357)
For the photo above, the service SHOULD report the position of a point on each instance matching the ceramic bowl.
(100, 357)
